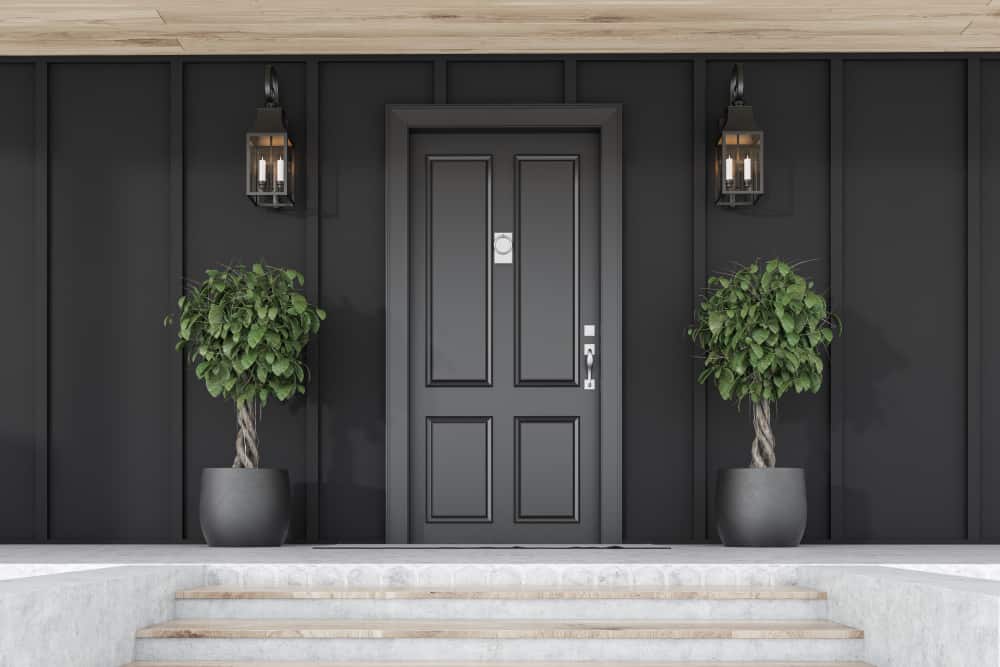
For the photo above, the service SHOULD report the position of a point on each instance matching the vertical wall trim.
(175, 281)
(569, 81)
(837, 298)
(313, 294)
(440, 81)
(974, 296)
(41, 279)
(699, 258)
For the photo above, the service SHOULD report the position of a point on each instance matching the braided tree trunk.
(247, 452)
(762, 449)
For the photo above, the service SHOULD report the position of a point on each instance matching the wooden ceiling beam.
(169, 27)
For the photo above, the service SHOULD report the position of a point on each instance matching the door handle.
(589, 355)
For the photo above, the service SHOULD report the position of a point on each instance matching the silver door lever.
(589, 354)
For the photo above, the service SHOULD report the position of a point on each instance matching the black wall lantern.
(270, 167)
(739, 160)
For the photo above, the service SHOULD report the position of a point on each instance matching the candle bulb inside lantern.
(729, 168)
(280, 170)
(747, 173)
(262, 170)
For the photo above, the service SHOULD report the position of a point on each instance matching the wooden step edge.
(435, 663)
(494, 629)
(503, 593)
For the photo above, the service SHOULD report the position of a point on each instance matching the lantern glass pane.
(740, 163)
(268, 164)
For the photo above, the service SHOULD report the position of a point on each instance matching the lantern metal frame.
(739, 134)
(267, 143)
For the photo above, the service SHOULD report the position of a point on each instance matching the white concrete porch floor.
(190, 554)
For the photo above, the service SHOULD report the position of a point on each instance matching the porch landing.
(192, 554)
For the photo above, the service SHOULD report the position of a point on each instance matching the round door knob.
(502, 245)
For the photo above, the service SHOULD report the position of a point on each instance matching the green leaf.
(715, 322)
(215, 315)
(760, 335)
(256, 334)
(725, 382)
(249, 358)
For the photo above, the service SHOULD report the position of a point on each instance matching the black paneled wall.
(120, 177)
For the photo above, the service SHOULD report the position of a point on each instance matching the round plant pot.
(245, 507)
(761, 507)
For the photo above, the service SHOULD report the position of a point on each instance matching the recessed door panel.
(459, 469)
(459, 237)
(547, 278)
(547, 451)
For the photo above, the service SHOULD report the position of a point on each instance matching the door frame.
(400, 121)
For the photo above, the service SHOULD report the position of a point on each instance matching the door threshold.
(492, 546)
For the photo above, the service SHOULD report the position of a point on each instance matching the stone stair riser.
(433, 649)
(504, 609)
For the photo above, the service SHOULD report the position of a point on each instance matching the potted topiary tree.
(762, 332)
(246, 329)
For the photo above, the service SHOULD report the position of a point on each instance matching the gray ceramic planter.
(761, 507)
(243, 507)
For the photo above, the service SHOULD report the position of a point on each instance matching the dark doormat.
(492, 546)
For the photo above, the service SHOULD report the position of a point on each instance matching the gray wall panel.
(109, 286)
(791, 103)
(990, 250)
(657, 456)
(17, 257)
(479, 82)
(905, 295)
(352, 270)
(221, 227)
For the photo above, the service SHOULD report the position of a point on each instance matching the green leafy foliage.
(245, 328)
(762, 332)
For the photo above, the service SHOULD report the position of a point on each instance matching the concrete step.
(484, 639)
(520, 602)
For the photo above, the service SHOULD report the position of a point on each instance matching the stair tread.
(503, 593)
(617, 663)
(497, 629)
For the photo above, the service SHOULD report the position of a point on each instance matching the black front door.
(504, 355)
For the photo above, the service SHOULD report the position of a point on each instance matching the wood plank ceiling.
(131, 27)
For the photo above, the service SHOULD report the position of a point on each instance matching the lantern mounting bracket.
(271, 98)
(736, 86)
